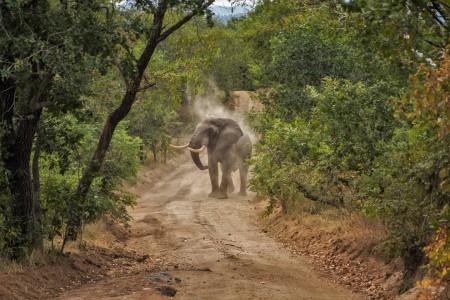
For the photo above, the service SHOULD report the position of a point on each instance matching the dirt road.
(219, 251)
(207, 248)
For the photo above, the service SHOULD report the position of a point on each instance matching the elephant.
(226, 144)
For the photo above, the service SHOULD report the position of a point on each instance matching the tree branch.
(441, 8)
(147, 86)
(432, 12)
(184, 20)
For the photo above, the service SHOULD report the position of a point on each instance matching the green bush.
(349, 126)
(354, 119)
(277, 159)
(404, 189)
(341, 123)
(106, 196)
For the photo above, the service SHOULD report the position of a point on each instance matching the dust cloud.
(210, 104)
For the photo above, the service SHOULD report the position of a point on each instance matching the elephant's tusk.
(197, 150)
(179, 147)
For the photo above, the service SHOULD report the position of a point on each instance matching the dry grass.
(344, 223)
(36, 259)
(99, 234)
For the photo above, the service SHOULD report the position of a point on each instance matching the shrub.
(106, 196)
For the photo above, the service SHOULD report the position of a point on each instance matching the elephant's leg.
(214, 177)
(226, 178)
(224, 186)
(243, 172)
(230, 188)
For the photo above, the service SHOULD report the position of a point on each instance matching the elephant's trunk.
(197, 161)
(197, 143)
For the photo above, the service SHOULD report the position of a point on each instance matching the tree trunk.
(141, 153)
(17, 142)
(16, 149)
(19, 118)
(154, 150)
(23, 208)
(95, 164)
(37, 191)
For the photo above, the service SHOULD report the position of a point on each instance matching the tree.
(230, 64)
(360, 142)
(417, 26)
(430, 94)
(46, 51)
(151, 123)
(156, 32)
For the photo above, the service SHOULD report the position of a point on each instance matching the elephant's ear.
(230, 132)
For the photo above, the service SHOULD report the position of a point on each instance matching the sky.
(222, 3)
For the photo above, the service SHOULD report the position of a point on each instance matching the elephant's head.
(214, 133)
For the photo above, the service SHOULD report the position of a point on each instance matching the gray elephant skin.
(226, 144)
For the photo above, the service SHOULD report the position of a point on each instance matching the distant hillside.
(224, 13)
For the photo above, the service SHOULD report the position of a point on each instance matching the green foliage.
(304, 49)
(106, 197)
(407, 187)
(56, 195)
(60, 137)
(430, 95)
(355, 121)
(278, 161)
(152, 122)
(346, 132)
(334, 130)
(438, 252)
(63, 71)
(122, 159)
(303, 57)
(230, 63)
(45, 60)
(405, 30)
